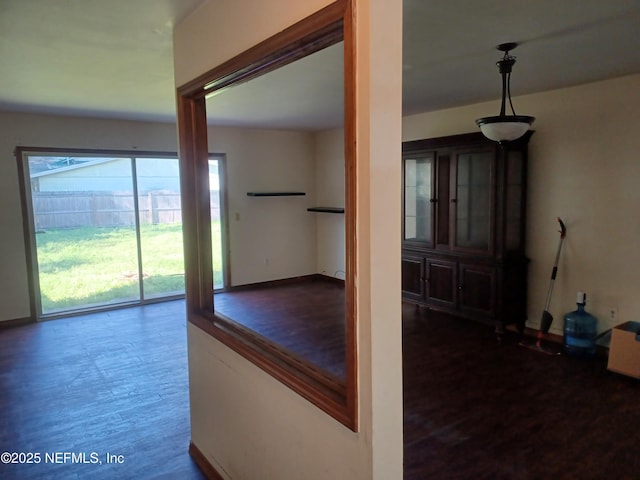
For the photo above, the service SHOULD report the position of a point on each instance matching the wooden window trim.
(328, 26)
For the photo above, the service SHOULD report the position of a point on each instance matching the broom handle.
(554, 272)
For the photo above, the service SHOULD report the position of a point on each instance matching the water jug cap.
(581, 298)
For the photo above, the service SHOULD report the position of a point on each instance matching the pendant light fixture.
(504, 128)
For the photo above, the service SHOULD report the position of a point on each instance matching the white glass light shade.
(504, 128)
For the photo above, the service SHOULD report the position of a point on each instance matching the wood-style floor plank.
(112, 382)
(477, 409)
(307, 318)
(473, 408)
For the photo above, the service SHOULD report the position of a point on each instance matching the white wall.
(330, 183)
(250, 426)
(584, 168)
(378, 300)
(226, 22)
(269, 237)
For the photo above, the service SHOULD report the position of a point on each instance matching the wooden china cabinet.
(463, 233)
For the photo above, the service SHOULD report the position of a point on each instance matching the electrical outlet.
(613, 314)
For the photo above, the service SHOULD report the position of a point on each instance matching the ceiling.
(113, 59)
(100, 58)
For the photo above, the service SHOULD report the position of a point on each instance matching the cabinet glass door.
(418, 174)
(514, 201)
(473, 201)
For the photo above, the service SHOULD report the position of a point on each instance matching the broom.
(547, 318)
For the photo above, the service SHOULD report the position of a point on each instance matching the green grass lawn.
(88, 266)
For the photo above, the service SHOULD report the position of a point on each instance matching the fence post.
(155, 217)
(94, 210)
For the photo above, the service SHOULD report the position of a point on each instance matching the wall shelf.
(275, 194)
(326, 209)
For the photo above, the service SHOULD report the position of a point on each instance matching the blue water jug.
(580, 330)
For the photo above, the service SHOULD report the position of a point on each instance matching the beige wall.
(330, 182)
(251, 426)
(584, 168)
(247, 424)
(270, 237)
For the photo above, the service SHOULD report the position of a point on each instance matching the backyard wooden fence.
(108, 209)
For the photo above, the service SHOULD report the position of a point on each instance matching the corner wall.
(270, 238)
(330, 183)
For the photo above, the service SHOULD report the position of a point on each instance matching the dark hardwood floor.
(476, 409)
(306, 317)
(113, 382)
(116, 382)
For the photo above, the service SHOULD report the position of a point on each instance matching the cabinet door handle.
(433, 200)
(454, 200)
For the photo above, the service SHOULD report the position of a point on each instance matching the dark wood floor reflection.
(113, 382)
(476, 409)
(305, 317)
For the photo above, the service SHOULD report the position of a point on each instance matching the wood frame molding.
(326, 27)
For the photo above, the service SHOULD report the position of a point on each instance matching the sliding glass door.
(104, 229)
(217, 217)
(160, 218)
(84, 222)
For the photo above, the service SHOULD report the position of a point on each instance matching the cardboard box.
(624, 351)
